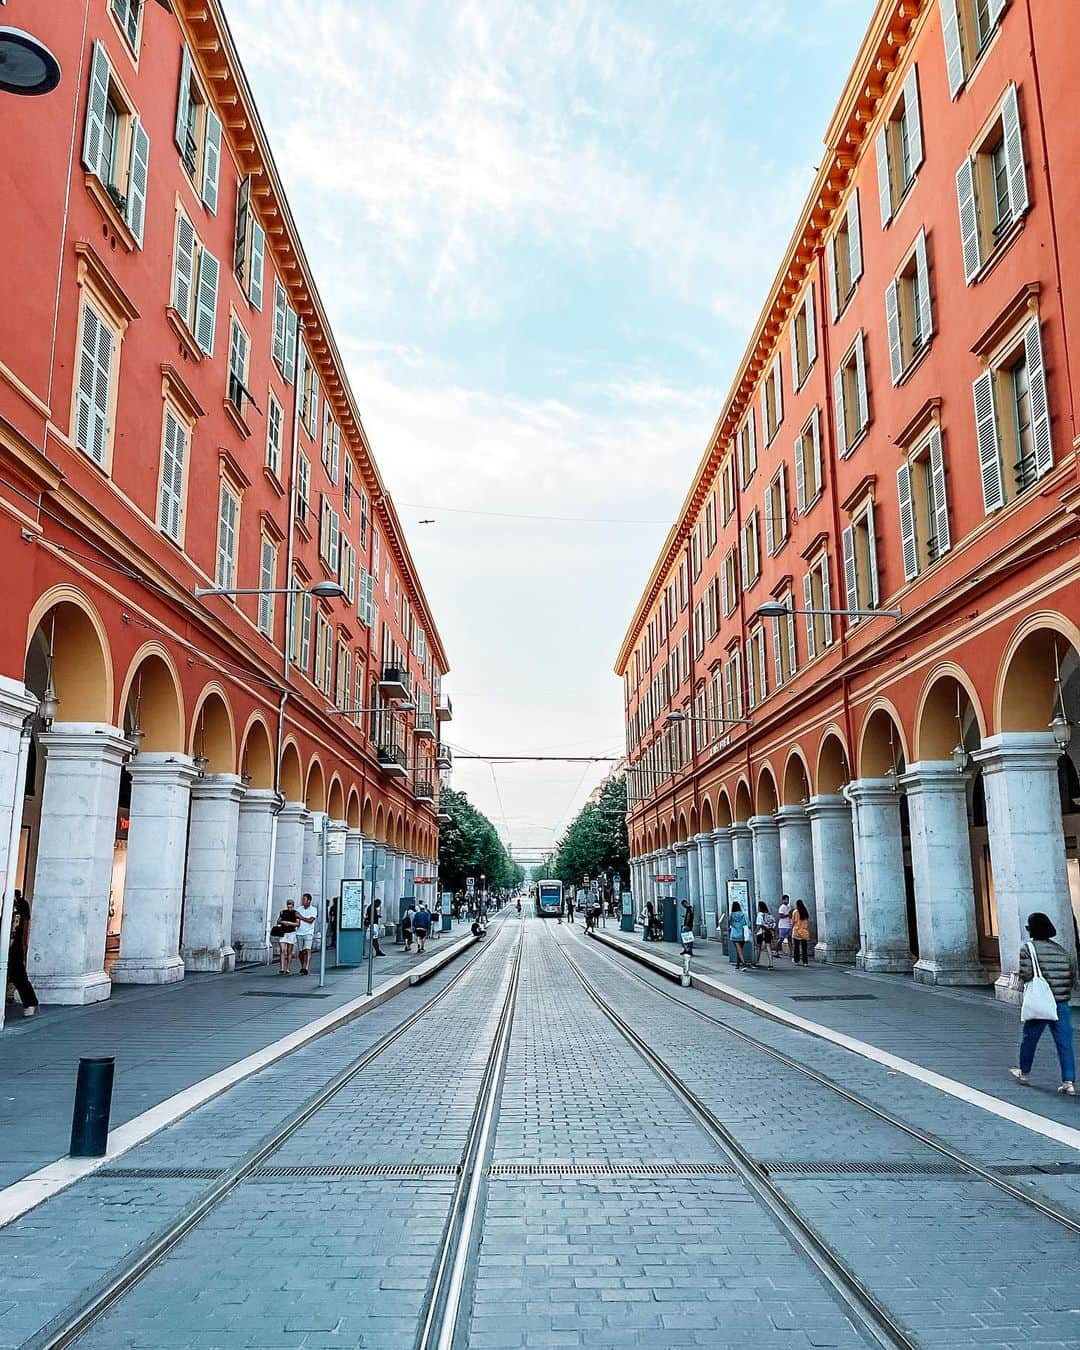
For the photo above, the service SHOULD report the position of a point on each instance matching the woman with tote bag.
(1048, 974)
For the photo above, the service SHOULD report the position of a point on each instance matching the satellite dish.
(26, 65)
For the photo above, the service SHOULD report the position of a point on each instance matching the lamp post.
(322, 590)
(776, 609)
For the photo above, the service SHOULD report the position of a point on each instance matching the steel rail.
(65, 1329)
(871, 1317)
(986, 1174)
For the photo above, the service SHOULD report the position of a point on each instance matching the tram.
(549, 899)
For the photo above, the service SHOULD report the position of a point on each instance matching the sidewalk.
(965, 1035)
(165, 1038)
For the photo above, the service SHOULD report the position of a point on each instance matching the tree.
(469, 846)
(596, 840)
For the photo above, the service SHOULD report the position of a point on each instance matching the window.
(94, 393)
(228, 533)
(909, 317)
(859, 544)
(843, 258)
(249, 246)
(1012, 420)
(324, 653)
(991, 187)
(683, 577)
(899, 147)
(772, 400)
(967, 27)
(750, 553)
(808, 480)
(695, 551)
(283, 342)
(851, 399)
(699, 628)
(309, 393)
(924, 508)
(710, 524)
(730, 580)
(239, 347)
(128, 15)
(347, 487)
(174, 447)
(366, 612)
(712, 609)
(198, 134)
(776, 516)
(785, 653)
(303, 488)
(756, 685)
(727, 488)
(274, 423)
(329, 534)
(195, 284)
(733, 690)
(363, 518)
(747, 444)
(267, 581)
(347, 569)
(803, 339)
(331, 444)
(817, 595)
(300, 647)
(343, 678)
(116, 146)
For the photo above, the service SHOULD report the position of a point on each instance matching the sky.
(542, 232)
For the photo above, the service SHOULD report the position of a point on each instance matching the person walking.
(783, 927)
(738, 933)
(16, 970)
(652, 924)
(764, 931)
(407, 927)
(800, 934)
(288, 921)
(305, 934)
(371, 923)
(1042, 957)
(421, 926)
(436, 919)
(687, 934)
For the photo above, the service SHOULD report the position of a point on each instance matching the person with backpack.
(738, 933)
(1044, 962)
(288, 921)
(764, 930)
(421, 926)
(800, 934)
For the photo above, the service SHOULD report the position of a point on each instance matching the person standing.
(1057, 966)
(407, 927)
(421, 926)
(16, 970)
(800, 934)
(305, 934)
(288, 921)
(371, 923)
(764, 931)
(687, 934)
(783, 927)
(738, 932)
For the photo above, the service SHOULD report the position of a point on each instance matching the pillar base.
(74, 989)
(886, 963)
(218, 960)
(253, 953)
(1008, 990)
(930, 972)
(148, 970)
(835, 955)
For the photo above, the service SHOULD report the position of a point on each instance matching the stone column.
(16, 705)
(354, 854)
(834, 879)
(289, 855)
(154, 877)
(707, 860)
(337, 838)
(380, 876)
(767, 881)
(724, 865)
(797, 859)
(742, 853)
(1027, 842)
(311, 874)
(76, 843)
(256, 843)
(211, 873)
(693, 879)
(879, 876)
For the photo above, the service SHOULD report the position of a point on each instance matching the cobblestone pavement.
(609, 1216)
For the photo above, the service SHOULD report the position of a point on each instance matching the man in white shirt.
(305, 934)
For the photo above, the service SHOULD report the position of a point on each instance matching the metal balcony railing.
(444, 758)
(392, 758)
(444, 709)
(394, 680)
(424, 790)
(424, 725)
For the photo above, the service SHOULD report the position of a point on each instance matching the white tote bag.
(1038, 1003)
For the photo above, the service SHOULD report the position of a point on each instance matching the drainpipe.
(13, 855)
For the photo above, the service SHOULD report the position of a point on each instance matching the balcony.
(444, 758)
(444, 709)
(424, 790)
(424, 725)
(394, 682)
(392, 760)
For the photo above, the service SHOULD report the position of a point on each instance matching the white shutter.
(1040, 407)
(881, 145)
(184, 268)
(811, 327)
(1014, 152)
(770, 526)
(954, 52)
(95, 374)
(826, 599)
(793, 651)
(854, 232)
(743, 567)
(997, 8)
(778, 391)
(913, 118)
(782, 523)
(815, 432)
(986, 431)
(138, 174)
(851, 573)
(778, 652)
(278, 348)
(941, 501)
(751, 680)
(871, 556)
(258, 254)
(830, 268)
(808, 605)
(289, 369)
(97, 101)
(335, 454)
(908, 545)
(800, 474)
(759, 650)
(174, 447)
(84, 397)
(183, 102)
(765, 409)
(841, 414)
(863, 401)
(240, 232)
(206, 302)
(793, 333)
(922, 297)
(211, 160)
(753, 443)
(892, 321)
(969, 220)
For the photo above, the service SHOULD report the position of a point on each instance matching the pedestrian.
(687, 934)
(421, 926)
(288, 921)
(407, 927)
(1043, 958)
(374, 927)
(783, 927)
(16, 970)
(764, 930)
(652, 933)
(305, 934)
(436, 919)
(800, 934)
(738, 933)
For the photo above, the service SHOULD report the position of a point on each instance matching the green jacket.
(1058, 967)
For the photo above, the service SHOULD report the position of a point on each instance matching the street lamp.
(322, 590)
(407, 706)
(26, 65)
(675, 716)
(776, 609)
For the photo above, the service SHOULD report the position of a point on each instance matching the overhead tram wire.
(516, 515)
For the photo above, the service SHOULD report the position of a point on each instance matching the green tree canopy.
(596, 840)
(469, 846)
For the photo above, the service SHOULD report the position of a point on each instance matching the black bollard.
(93, 1102)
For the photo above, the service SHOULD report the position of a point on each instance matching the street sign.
(423, 881)
(665, 877)
(335, 843)
(470, 885)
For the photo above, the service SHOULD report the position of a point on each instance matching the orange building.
(175, 417)
(853, 676)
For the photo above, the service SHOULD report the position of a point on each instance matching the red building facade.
(898, 447)
(175, 416)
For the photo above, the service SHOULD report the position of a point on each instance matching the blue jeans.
(1062, 1032)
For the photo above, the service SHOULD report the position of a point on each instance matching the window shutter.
(770, 525)
(95, 373)
(1014, 152)
(96, 102)
(881, 145)
(751, 676)
(84, 399)
(800, 473)
(811, 327)
(335, 458)
(184, 267)
(926, 313)
(752, 429)
(211, 160)
(841, 414)
(997, 8)
(183, 102)
(793, 651)
(778, 390)
(830, 268)
(138, 173)
(258, 253)
(986, 431)
(854, 234)
(743, 555)
(954, 52)
(913, 118)
(892, 320)
(851, 574)
(815, 431)
(908, 545)
(172, 475)
(765, 409)
(782, 523)
(808, 604)
(759, 648)
(826, 600)
(278, 349)
(793, 333)
(862, 398)
(969, 220)
(871, 555)
(941, 501)
(778, 653)
(206, 301)
(1040, 407)
(240, 233)
(289, 369)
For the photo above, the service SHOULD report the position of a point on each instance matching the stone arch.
(833, 768)
(213, 733)
(367, 820)
(65, 622)
(380, 825)
(256, 754)
(766, 799)
(151, 700)
(744, 806)
(707, 825)
(796, 779)
(948, 714)
(882, 749)
(663, 836)
(352, 809)
(723, 809)
(315, 786)
(683, 828)
(335, 799)
(695, 824)
(291, 783)
(1025, 697)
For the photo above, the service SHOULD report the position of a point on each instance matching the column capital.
(721, 834)
(934, 775)
(92, 741)
(705, 838)
(827, 804)
(1018, 749)
(739, 829)
(762, 824)
(162, 766)
(292, 812)
(683, 846)
(221, 787)
(260, 799)
(792, 815)
(354, 834)
(337, 825)
(878, 790)
(16, 702)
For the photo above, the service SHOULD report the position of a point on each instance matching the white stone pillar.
(834, 879)
(289, 855)
(797, 859)
(879, 876)
(76, 844)
(154, 876)
(941, 866)
(380, 870)
(707, 862)
(16, 705)
(335, 865)
(742, 854)
(211, 873)
(311, 873)
(724, 866)
(693, 879)
(1027, 842)
(354, 854)
(767, 880)
(255, 846)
